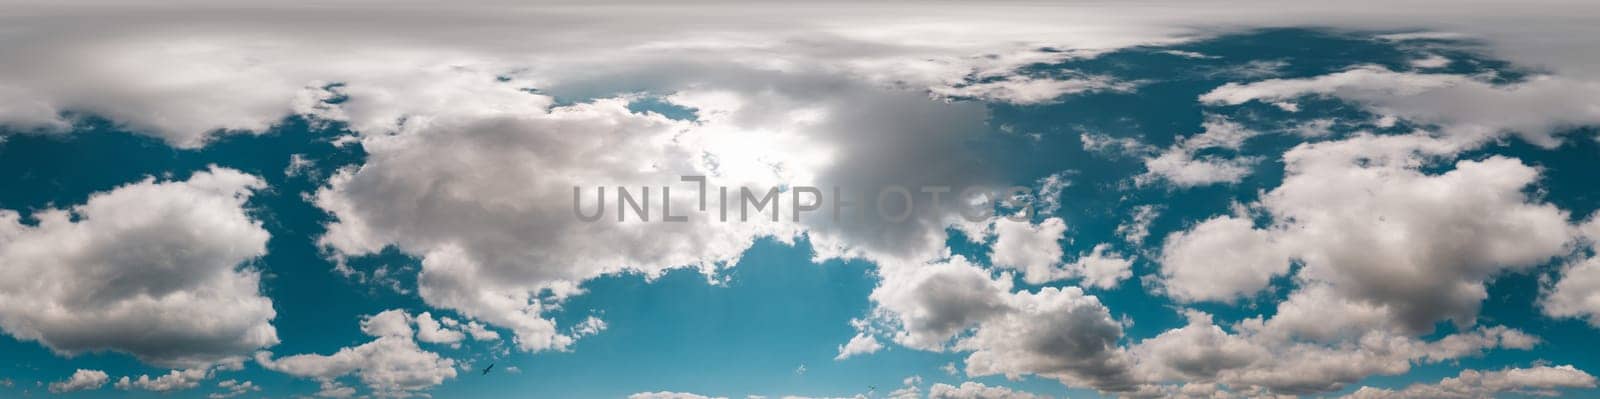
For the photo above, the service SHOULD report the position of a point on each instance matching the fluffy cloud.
(391, 365)
(1260, 357)
(1539, 380)
(929, 304)
(176, 380)
(976, 390)
(1034, 249)
(477, 257)
(160, 257)
(1056, 333)
(1180, 166)
(1364, 220)
(232, 388)
(860, 344)
(473, 230)
(1059, 333)
(1100, 268)
(431, 331)
(1220, 259)
(1198, 351)
(1576, 293)
(1467, 108)
(81, 380)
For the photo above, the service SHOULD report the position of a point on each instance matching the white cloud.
(1535, 381)
(476, 256)
(1115, 146)
(1056, 333)
(860, 344)
(173, 381)
(388, 323)
(164, 258)
(81, 380)
(1137, 227)
(1050, 191)
(931, 303)
(1180, 165)
(1031, 91)
(976, 390)
(1261, 358)
(1100, 268)
(1198, 351)
(670, 395)
(333, 389)
(1220, 259)
(1363, 219)
(392, 364)
(231, 388)
(1033, 249)
(1431, 61)
(479, 332)
(1576, 292)
(1468, 109)
(429, 330)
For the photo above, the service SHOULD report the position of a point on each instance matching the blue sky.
(437, 184)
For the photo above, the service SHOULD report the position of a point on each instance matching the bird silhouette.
(486, 369)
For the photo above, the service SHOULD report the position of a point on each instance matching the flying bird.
(486, 369)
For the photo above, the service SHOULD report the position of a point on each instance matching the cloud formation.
(165, 258)
(391, 365)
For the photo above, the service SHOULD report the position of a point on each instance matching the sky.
(1168, 200)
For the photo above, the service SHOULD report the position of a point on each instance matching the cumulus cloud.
(1260, 357)
(165, 258)
(477, 259)
(976, 390)
(81, 380)
(1220, 259)
(1538, 381)
(860, 344)
(175, 380)
(1362, 218)
(1576, 292)
(497, 244)
(1100, 268)
(1057, 333)
(391, 365)
(431, 331)
(231, 388)
(1033, 249)
(1181, 166)
(929, 304)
